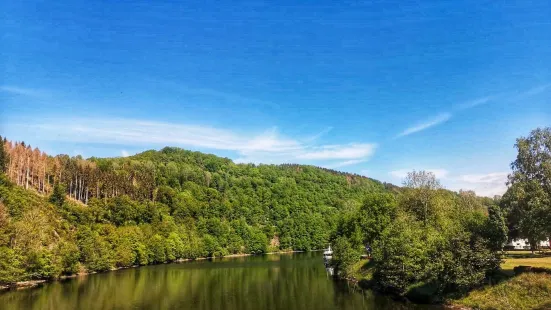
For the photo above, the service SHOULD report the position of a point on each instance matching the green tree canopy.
(528, 198)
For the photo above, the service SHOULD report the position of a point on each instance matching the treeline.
(527, 201)
(425, 243)
(429, 244)
(96, 214)
(83, 179)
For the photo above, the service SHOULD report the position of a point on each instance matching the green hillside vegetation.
(63, 215)
(427, 243)
(99, 214)
(432, 245)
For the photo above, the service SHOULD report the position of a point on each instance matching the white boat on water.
(328, 253)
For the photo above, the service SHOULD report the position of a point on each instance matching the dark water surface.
(286, 281)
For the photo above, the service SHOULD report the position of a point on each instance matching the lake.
(279, 281)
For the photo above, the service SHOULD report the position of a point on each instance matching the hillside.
(101, 213)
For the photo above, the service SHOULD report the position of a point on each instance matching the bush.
(10, 266)
(69, 255)
(344, 256)
(156, 248)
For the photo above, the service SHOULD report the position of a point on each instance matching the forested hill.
(63, 214)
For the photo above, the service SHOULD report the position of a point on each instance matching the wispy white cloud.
(230, 97)
(494, 177)
(439, 119)
(319, 134)
(350, 151)
(402, 173)
(489, 184)
(535, 90)
(267, 146)
(476, 102)
(124, 153)
(486, 184)
(345, 163)
(505, 97)
(22, 91)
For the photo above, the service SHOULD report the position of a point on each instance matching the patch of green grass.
(511, 263)
(526, 291)
(527, 254)
(362, 270)
(523, 252)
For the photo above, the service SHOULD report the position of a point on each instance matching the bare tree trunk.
(27, 174)
(43, 178)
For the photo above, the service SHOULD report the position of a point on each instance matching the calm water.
(287, 281)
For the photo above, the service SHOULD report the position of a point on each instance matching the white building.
(523, 244)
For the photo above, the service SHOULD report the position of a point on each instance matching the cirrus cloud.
(268, 146)
(402, 173)
(439, 119)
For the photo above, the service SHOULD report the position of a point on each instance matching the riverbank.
(528, 287)
(523, 292)
(34, 283)
(517, 290)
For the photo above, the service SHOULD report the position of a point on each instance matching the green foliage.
(161, 206)
(211, 246)
(363, 226)
(156, 247)
(524, 292)
(174, 247)
(10, 266)
(4, 156)
(58, 194)
(96, 252)
(257, 242)
(165, 205)
(496, 228)
(41, 264)
(402, 254)
(426, 244)
(528, 199)
(527, 207)
(344, 256)
(69, 257)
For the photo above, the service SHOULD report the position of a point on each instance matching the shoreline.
(34, 283)
(530, 282)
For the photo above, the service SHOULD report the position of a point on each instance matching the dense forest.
(63, 215)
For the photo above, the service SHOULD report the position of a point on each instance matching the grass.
(513, 252)
(526, 254)
(362, 270)
(511, 263)
(526, 291)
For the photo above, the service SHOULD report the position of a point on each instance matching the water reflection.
(287, 281)
(328, 268)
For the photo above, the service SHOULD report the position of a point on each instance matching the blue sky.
(374, 87)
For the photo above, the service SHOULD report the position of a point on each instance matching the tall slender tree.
(528, 198)
(4, 157)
